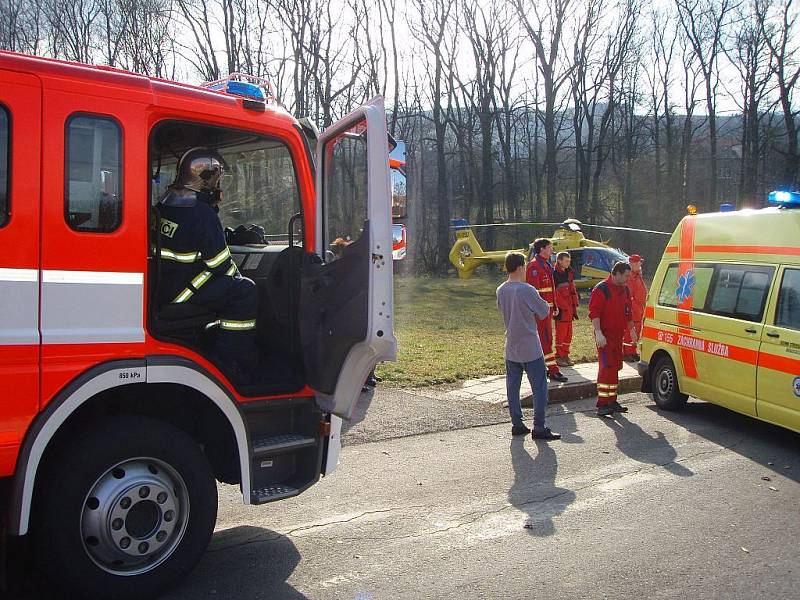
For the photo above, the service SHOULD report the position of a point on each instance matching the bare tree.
(704, 23)
(546, 31)
(784, 64)
(434, 31)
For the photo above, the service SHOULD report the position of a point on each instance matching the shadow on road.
(636, 443)
(243, 562)
(534, 490)
(772, 447)
(566, 425)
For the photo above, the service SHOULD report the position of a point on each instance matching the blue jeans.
(537, 376)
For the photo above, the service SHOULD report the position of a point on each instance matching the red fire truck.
(115, 419)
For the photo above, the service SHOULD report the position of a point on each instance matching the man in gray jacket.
(520, 305)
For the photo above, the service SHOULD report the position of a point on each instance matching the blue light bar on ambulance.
(783, 198)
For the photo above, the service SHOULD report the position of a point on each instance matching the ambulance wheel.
(123, 510)
(666, 393)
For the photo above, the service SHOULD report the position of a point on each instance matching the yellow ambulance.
(722, 320)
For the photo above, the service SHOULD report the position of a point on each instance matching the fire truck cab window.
(4, 152)
(94, 174)
(345, 189)
(259, 187)
(788, 314)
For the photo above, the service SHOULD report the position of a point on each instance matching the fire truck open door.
(346, 291)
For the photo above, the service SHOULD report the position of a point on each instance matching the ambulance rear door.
(346, 311)
(779, 358)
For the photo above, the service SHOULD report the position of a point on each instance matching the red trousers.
(563, 337)
(628, 347)
(610, 362)
(545, 328)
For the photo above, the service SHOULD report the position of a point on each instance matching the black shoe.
(364, 389)
(558, 377)
(631, 358)
(545, 434)
(372, 381)
(520, 430)
(617, 407)
(605, 411)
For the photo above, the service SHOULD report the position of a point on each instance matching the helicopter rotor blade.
(561, 225)
(626, 229)
(502, 225)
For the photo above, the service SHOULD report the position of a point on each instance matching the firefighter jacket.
(540, 275)
(192, 246)
(566, 295)
(638, 296)
(611, 304)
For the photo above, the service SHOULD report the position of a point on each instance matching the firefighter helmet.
(200, 169)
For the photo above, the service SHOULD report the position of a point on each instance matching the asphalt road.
(703, 503)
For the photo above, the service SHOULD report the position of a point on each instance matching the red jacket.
(612, 305)
(566, 293)
(540, 275)
(638, 295)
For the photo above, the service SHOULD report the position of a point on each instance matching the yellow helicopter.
(591, 260)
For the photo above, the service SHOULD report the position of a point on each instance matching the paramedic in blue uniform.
(196, 263)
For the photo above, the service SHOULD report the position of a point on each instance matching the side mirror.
(398, 194)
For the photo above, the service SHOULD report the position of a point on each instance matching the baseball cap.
(634, 258)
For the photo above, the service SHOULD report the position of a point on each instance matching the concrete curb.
(581, 384)
(559, 393)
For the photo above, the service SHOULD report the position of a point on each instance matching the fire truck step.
(273, 492)
(281, 443)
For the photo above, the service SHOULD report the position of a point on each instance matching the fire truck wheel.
(125, 509)
(666, 393)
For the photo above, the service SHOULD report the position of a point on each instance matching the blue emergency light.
(727, 207)
(784, 198)
(240, 88)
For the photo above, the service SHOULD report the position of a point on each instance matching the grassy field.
(449, 329)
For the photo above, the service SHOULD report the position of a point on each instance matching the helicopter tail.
(466, 252)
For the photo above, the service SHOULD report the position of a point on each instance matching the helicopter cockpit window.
(259, 188)
(602, 258)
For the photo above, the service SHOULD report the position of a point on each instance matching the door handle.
(773, 334)
(751, 330)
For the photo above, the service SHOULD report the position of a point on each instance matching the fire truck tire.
(666, 393)
(125, 509)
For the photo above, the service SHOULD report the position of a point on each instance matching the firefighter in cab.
(539, 274)
(196, 262)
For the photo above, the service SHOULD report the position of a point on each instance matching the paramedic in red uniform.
(638, 300)
(567, 306)
(610, 313)
(539, 274)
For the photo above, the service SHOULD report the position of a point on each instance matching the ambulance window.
(740, 291)
(695, 282)
(789, 301)
(4, 152)
(94, 174)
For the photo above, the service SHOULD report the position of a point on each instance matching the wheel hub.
(665, 383)
(134, 516)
